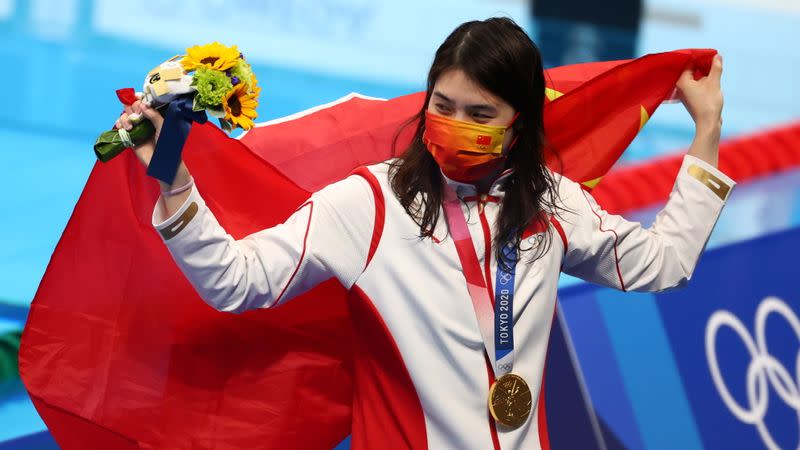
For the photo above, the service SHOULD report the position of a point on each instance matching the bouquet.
(211, 79)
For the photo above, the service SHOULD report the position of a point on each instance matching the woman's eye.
(443, 108)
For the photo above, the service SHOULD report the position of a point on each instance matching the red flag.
(120, 352)
(483, 140)
(591, 124)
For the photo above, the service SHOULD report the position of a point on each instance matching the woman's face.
(458, 97)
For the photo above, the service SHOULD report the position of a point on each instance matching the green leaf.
(218, 113)
(196, 106)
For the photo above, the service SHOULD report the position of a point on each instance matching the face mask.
(465, 151)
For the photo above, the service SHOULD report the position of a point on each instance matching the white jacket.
(422, 379)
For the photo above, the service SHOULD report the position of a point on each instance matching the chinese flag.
(119, 352)
(483, 140)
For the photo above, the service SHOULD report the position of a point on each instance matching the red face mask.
(465, 151)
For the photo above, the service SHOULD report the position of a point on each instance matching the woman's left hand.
(703, 97)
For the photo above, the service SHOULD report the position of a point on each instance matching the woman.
(452, 252)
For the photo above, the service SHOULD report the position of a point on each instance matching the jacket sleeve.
(328, 236)
(606, 249)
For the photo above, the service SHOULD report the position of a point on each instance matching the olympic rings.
(763, 366)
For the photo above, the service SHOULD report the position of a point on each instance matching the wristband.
(178, 190)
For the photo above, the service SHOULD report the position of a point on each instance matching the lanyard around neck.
(496, 325)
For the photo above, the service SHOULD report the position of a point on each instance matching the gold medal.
(510, 400)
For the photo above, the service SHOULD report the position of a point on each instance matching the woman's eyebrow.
(483, 108)
(478, 106)
(442, 96)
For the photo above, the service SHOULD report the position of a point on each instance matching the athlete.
(451, 252)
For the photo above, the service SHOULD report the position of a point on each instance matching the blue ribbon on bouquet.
(177, 123)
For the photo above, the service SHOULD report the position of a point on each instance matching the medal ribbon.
(498, 338)
(504, 310)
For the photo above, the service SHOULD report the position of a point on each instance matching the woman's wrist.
(709, 126)
(706, 143)
(177, 190)
(182, 177)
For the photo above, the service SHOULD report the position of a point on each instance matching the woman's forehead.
(457, 87)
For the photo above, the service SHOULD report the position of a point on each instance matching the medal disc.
(510, 400)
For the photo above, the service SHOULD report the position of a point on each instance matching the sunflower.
(256, 88)
(213, 56)
(240, 106)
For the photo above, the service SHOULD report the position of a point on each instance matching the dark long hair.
(498, 55)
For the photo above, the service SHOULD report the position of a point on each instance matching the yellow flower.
(256, 88)
(214, 56)
(240, 106)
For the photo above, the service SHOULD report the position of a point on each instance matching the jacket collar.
(467, 191)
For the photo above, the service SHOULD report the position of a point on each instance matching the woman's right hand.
(144, 151)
